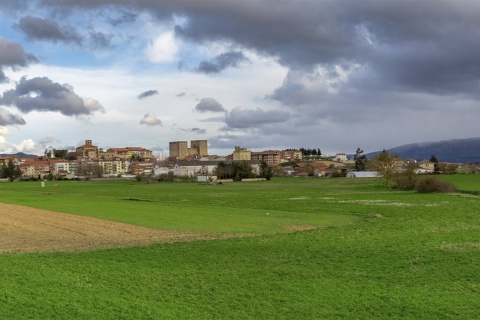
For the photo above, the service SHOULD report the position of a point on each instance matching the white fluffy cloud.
(25, 146)
(151, 120)
(163, 48)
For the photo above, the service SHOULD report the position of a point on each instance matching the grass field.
(376, 253)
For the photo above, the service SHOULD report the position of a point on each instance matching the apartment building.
(271, 157)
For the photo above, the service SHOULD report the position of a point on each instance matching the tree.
(361, 160)
(89, 170)
(386, 165)
(224, 170)
(62, 154)
(435, 163)
(243, 170)
(11, 171)
(451, 168)
(265, 171)
(471, 168)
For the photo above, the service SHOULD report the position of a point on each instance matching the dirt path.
(24, 229)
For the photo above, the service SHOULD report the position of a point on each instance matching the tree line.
(242, 170)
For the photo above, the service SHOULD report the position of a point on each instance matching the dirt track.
(24, 229)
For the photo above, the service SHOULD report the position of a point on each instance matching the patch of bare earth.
(24, 229)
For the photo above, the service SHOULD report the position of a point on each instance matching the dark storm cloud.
(414, 47)
(209, 105)
(42, 94)
(12, 55)
(123, 17)
(37, 28)
(222, 62)
(147, 94)
(241, 117)
(6, 118)
(424, 46)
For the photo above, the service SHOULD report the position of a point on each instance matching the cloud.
(42, 94)
(147, 94)
(198, 131)
(99, 40)
(424, 47)
(209, 105)
(221, 62)
(27, 145)
(46, 140)
(6, 118)
(36, 28)
(3, 77)
(4, 131)
(90, 104)
(123, 18)
(12, 55)
(163, 48)
(151, 120)
(241, 117)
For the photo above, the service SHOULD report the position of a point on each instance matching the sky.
(273, 74)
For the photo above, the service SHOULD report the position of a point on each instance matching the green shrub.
(430, 185)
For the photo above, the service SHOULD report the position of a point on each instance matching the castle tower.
(178, 149)
(201, 146)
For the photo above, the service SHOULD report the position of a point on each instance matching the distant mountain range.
(19, 154)
(457, 150)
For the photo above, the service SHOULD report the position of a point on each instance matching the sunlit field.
(316, 249)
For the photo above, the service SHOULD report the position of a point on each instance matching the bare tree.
(386, 165)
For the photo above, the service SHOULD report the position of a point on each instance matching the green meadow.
(375, 253)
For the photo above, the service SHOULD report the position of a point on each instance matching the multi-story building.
(291, 155)
(113, 153)
(35, 167)
(141, 152)
(271, 157)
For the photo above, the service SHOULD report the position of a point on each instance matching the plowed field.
(24, 229)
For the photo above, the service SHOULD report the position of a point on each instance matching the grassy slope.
(406, 256)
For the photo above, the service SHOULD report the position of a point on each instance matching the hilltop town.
(184, 160)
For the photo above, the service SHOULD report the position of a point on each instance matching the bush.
(405, 180)
(166, 177)
(429, 185)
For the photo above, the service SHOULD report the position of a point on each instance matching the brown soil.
(24, 229)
